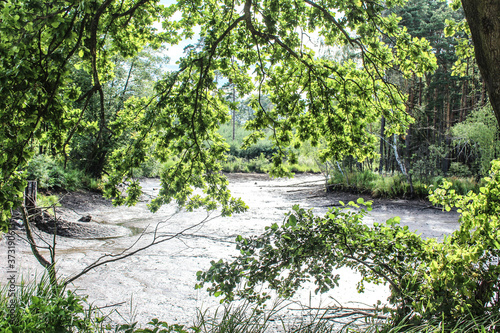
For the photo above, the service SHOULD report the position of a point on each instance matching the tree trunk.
(234, 113)
(483, 93)
(483, 17)
(30, 196)
(382, 135)
(463, 100)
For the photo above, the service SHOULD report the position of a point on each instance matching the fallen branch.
(157, 239)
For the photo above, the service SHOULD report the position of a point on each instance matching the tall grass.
(37, 306)
(466, 324)
(245, 318)
(262, 164)
(394, 186)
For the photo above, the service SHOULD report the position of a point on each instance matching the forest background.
(454, 132)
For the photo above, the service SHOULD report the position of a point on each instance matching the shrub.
(46, 201)
(390, 187)
(50, 173)
(41, 168)
(428, 280)
(459, 170)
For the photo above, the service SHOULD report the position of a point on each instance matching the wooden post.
(30, 195)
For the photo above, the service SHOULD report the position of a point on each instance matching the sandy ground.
(159, 282)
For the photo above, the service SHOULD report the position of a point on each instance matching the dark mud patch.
(83, 201)
(62, 222)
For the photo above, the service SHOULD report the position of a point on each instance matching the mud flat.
(159, 282)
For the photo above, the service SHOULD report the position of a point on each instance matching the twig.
(111, 305)
(349, 314)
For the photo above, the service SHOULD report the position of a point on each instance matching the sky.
(175, 52)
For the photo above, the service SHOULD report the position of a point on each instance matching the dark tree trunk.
(30, 196)
(382, 136)
(483, 17)
(463, 100)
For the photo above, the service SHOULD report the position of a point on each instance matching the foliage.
(156, 326)
(244, 318)
(460, 170)
(237, 164)
(479, 133)
(258, 157)
(41, 308)
(465, 324)
(426, 167)
(234, 318)
(50, 173)
(428, 279)
(464, 47)
(396, 186)
(40, 46)
(47, 201)
(46, 171)
(45, 104)
(130, 78)
(393, 186)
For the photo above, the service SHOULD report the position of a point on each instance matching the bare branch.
(157, 239)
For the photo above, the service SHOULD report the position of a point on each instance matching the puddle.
(134, 231)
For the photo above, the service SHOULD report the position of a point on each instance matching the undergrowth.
(50, 173)
(262, 164)
(395, 186)
(37, 306)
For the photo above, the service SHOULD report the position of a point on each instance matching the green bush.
(259, 164)
(42, 168)
(234, 164)
(459, 170)
(396, 186)
(50, 173)
(46, 201)
(429, 280)
(390, 187)
(459, 184)
(479, 133)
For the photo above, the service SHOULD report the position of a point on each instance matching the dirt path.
(159, 282)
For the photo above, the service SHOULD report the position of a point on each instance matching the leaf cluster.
(41, 307)
(41, 45)
(427, 279)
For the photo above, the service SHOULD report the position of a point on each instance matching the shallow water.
(159, 282)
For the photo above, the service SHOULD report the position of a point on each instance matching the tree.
(134, 77)
(314, 98)
(440, 99)
(260, 46)
(41, 44)
(478, 135)
(482, 18)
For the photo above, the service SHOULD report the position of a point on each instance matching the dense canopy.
(260, 47)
